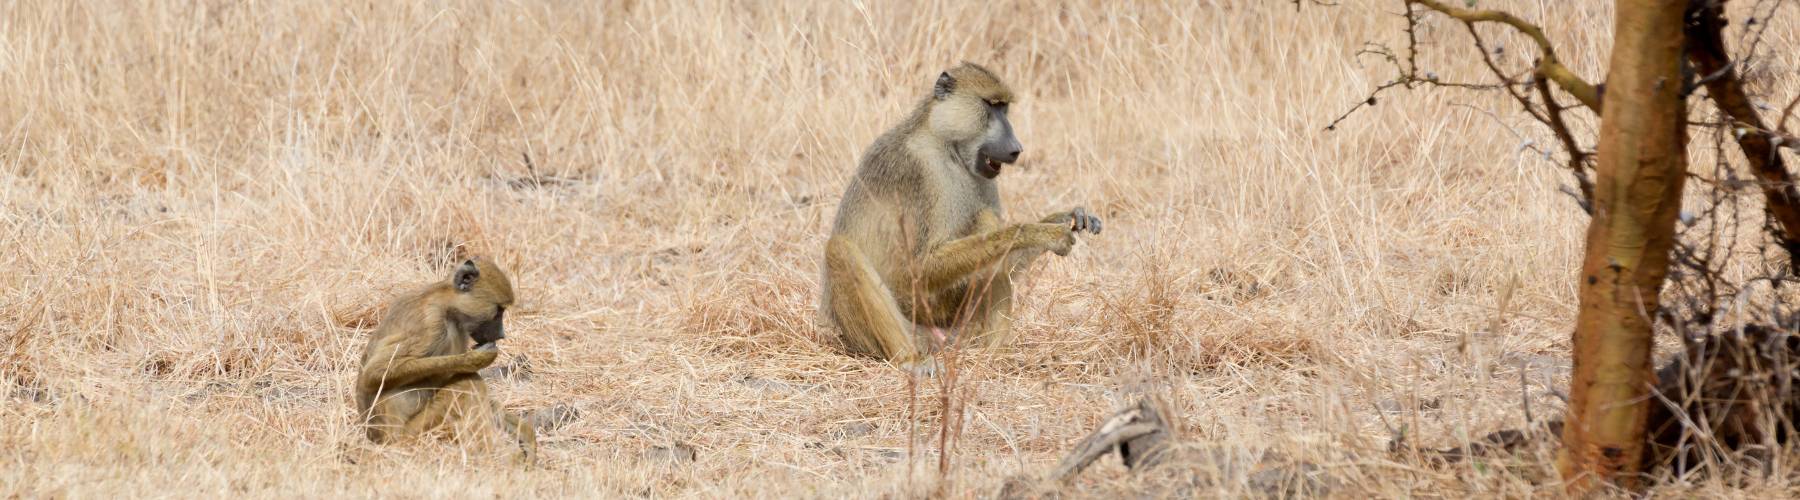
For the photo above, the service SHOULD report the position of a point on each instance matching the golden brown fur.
(418, 372)
(918, 245)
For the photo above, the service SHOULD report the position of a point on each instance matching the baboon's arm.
(987, 221)
(950, 262)
(405, 371)
(1062, 217)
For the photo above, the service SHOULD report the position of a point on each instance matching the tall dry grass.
(205, 204)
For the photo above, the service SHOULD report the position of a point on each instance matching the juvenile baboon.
(918, 246)
(418, 372)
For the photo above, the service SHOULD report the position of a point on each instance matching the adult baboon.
(918, 244)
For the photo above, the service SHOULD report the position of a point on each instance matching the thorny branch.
(1546, 70)
(1712, 69)
(1577, 158)
(1781, 123)
(1547, 65)
(1706, 48)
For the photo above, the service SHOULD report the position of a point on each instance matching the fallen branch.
(1138, 433)
(1146, 443)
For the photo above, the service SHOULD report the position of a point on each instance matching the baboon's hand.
(526, 458)
(1081, 220)
(924, 367)
(483, 355)
(1057, 238)
(1078, 219)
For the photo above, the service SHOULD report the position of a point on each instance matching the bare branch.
(1544, 69)
(1098, 445)
(1548, 65)
(1781, 124)
(1706, 48)
(1408, 69)
(1509, 83)
(1577, 157)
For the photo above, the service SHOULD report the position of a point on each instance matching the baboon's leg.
(992, 298)
(988, 293)
(865, 312)
(382, 425)
(959, 259)
(450, 403)
(433, 415)
(521, 431)
(387, 418)
(990, 322)
(464, 405)
(410, 371)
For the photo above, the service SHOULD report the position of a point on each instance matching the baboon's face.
(483, 293)
(969, 109)
(998, 145)
(490, 331)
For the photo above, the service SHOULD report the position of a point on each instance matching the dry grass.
(206, 202)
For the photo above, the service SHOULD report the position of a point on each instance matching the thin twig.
(1781, 124)
(1706, 48)
(1548, 65)
(1577, 157)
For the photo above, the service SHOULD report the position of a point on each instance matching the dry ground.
(206, 202)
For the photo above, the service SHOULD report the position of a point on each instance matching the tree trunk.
(1641, 165)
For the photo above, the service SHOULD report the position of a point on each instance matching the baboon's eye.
(1000, 105)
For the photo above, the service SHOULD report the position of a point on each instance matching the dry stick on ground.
(1139, 433)
(1706, 48)
(1145, 441)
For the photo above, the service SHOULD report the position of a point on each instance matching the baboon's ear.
(466, 276)
(944, 86)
